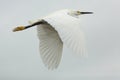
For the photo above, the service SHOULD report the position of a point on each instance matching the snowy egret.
(56, 29)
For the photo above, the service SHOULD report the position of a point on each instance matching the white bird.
(56, 29)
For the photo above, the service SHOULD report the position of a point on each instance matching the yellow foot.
(18, 28)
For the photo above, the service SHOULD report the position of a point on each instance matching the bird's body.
(58, 29)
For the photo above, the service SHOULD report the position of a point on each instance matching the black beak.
(86, 12)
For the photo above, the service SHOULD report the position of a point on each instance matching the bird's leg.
(20, 28)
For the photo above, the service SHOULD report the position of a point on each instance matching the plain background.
(19, 52)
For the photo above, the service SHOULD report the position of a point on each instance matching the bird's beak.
(86, 12)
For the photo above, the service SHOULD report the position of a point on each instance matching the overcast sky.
(19, 52)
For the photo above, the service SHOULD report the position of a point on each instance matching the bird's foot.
(20, 28)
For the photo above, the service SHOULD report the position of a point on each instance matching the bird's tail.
(33, 21)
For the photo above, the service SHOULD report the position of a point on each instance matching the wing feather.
(50, 45)
(68, 28)
(61, 28)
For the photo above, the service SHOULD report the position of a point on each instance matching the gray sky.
(19, 54)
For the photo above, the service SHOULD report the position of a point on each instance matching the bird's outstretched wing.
(68, 28)
(50, 45)
(73, 38)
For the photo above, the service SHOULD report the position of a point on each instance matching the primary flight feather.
(56, 29)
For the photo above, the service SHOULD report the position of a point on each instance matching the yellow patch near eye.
(78, 11)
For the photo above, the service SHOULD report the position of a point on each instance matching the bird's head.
(76, 13)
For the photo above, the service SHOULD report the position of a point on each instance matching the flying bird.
(55, 30)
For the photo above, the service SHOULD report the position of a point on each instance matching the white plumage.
(63, 29)
(55, 30)
(50, 45)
